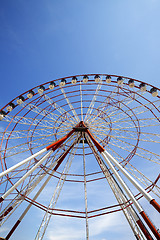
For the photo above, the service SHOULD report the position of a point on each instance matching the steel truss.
(52, 132)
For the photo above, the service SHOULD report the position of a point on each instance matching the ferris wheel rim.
(81, 75)
(103, 75)
(72, 119)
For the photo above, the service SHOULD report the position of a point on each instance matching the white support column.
(106, 156)
(22, 162)
(131, 196)
(85, 192)
(25, 176)
(113, 184)
(129, 177)
(29, 206)
(47, 216)
(129, 193)
(19, 199)
(40, 190)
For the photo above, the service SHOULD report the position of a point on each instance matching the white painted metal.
(129, 177)
(34, 182)
(47, 216)
(43, 112)
(122, 183)
(58, 108)
(91, 106)
(85, 192)
(36, 196)
(22, 162)
(27, 174)
(128, 211)
(16, 144)
(80, 85)
(70, 105)
(112, 111)
(30, 121)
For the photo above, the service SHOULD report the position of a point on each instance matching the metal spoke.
(47, 216)
(58, 107)
(31, 185)
(53, 131)
(31, 121)
(128, 211)
(85, 191)
(70, 105)
(142, 153)
(91, 106)
(81, 99)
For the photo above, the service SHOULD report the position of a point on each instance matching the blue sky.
(42, 40)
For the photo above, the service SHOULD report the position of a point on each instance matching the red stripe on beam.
(155, 205)
(56, 144)
(150, 225)
(98, 146)
(12, 230)
(144, 230)
(5, 213)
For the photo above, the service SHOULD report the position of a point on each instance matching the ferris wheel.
(77, 150)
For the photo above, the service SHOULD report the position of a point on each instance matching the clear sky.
(41, 40)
